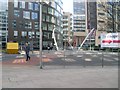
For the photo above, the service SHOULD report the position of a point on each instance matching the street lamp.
(40, 30)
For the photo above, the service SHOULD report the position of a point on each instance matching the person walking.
(27, 49)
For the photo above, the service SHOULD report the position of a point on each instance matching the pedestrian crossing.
(19, 61)
(22, 61)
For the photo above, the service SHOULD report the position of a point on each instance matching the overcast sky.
(68, 6)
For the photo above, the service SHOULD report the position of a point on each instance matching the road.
(65, 58)
(59, 70)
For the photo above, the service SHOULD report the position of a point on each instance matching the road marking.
(68, 60)
(89, 53)
(79, 56)
(46, 60)
(116, 59)
(19, 61)
(59, 52)
(22, 61)
(61, 56)
(106, 59)
(14, 61)
(94, 55)
(42, 56)
(88, 59)
(20, 56)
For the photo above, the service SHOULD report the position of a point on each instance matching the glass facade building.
(3, 23)
(23, 19)
(79, 21)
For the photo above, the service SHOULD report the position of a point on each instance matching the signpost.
(110, 40)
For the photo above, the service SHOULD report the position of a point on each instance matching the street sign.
(111, 40)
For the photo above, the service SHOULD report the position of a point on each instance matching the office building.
(84, 20)
(3, 24)
(67, 28)
(23, 21)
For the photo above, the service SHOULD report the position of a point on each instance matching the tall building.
(67, 28)
(3, 24)
(84, 20)
(23, 21)
(79, 21)
(91, 22)
(107, 18)
(101, 22)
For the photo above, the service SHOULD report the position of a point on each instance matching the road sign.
(110, 40)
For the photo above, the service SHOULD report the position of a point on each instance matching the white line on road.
(68, 60)
(88, 59)
(79, 56)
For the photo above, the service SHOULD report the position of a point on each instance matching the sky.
(68, 6)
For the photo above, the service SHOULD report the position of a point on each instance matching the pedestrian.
(27, 49)
(48, 47)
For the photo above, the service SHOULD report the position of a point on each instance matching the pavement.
(70, 69)
(59, 77)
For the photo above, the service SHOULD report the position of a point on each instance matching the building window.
(44, 9)
(37, 34)
(22, 4)
(50, 27)
(16, 13)
(28, 25)
(43, 17)
(50, 11)
(15, 33)
(51, 20)
(26, 14)
(24, 33)
(36, 6)
(44, 26)
(34, 15)
(47, 18)
(14, 24)
(45, 35)
(30, 6)
(36, 25)
(15, 3)
(31, 35)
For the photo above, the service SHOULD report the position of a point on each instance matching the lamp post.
(40, 30)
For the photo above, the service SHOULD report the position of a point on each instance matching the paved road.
(65, 58)
(60, 72)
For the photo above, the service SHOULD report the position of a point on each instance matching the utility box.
(12, 48)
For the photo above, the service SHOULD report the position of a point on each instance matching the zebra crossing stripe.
(19, 61)
(88, 59)
(14, 61)
(68, 60)
(22, 61)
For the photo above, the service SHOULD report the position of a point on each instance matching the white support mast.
(53, 36)
(86, 39)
